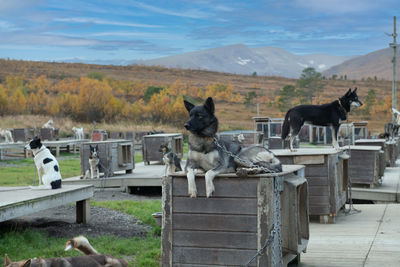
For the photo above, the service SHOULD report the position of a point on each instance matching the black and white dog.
(46, 165)
(323, 115)
(213, 156)
(171, 160)
(94, 161)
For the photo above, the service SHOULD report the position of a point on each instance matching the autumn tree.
(309, 84)
(286, 97)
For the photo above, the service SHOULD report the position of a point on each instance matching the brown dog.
(91, 258)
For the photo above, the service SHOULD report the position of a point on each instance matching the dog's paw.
(193, 194)
(209, 189)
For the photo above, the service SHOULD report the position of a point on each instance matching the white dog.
(7, 135)
(49, 124)
(79, 134)
(94, 161)
(46, 165)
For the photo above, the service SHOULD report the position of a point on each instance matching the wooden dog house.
(364, 165)
(250, 137)
(228, 228)
(151, 145)
(327, 175)
(384, 155)
(49, 134)
(115, 155)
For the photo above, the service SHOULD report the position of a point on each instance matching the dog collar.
(43, 148)
(340, 104)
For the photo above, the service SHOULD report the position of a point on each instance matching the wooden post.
(83, 211)
(166, 235)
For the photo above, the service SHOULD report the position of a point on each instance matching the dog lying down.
(213, 156)
(91, 258)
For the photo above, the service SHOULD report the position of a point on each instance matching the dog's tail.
(286, 126)
(82, 244)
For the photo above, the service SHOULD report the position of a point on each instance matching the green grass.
(139, 252)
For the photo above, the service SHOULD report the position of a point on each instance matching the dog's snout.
(186, 125)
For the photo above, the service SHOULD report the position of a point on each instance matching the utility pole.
(394, 46)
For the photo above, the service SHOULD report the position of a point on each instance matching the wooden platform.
(388, 191)
(369, 238)
(20, 201)
(142, 175)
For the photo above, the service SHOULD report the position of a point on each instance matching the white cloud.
(104, 22)
(196, 14)
(338, 6)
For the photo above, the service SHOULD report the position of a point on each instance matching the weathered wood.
(325, 174)
(228, 228)
(151, 146)
(364, 164)
(83, 211)
(114, 155)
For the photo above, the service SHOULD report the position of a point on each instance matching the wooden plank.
(215, 205)
(309, 160)
(318, 190)
(220, 239)
(215, 222)
(212, 256)
(166, 233)
(224, 187)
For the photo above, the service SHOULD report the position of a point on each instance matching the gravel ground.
(60, 221)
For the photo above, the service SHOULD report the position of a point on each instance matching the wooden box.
(278, 143)
(23, 134)
(384, 156)
(391, 155)
(327, 173)
(115, 155)
(99, 135)
(250, 137)
(228, 228)
(49, 134)
(364, 165)
(117, 135)
(151, 145)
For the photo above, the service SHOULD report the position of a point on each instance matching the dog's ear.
(355, 90)
(26, 263)
(7, 260)
(188, 105)
(209, 105)
(348, 92)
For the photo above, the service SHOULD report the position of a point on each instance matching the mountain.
(377, 63)
(241, 59)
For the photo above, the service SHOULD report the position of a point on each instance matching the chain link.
(275, 235)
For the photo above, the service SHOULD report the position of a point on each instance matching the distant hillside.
(377, 63)
(240, 59)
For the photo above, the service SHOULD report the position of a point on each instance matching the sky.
(122, 31)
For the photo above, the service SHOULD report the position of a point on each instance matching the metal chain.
(276, 249)
(106, 174)
(349, 187)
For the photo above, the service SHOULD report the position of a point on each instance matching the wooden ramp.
(369, 238)
(20, 201)
(388, 191)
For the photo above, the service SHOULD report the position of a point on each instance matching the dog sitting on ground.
(171, 160)
(322, 115)
(91, 258)
(7, 135)
(219, 156)
(46, 165)
(49, 124)
(94, 161)
(79, 134)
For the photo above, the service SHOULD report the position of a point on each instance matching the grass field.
(24, 244)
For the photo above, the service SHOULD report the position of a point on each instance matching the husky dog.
(94, 161)
(7, 135)
(79, 134)
(91, 258)
(323, 115)
(391, 130)
(171, 160)
(215, 157)
(46, 165)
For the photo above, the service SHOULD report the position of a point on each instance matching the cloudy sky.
(124, 30)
